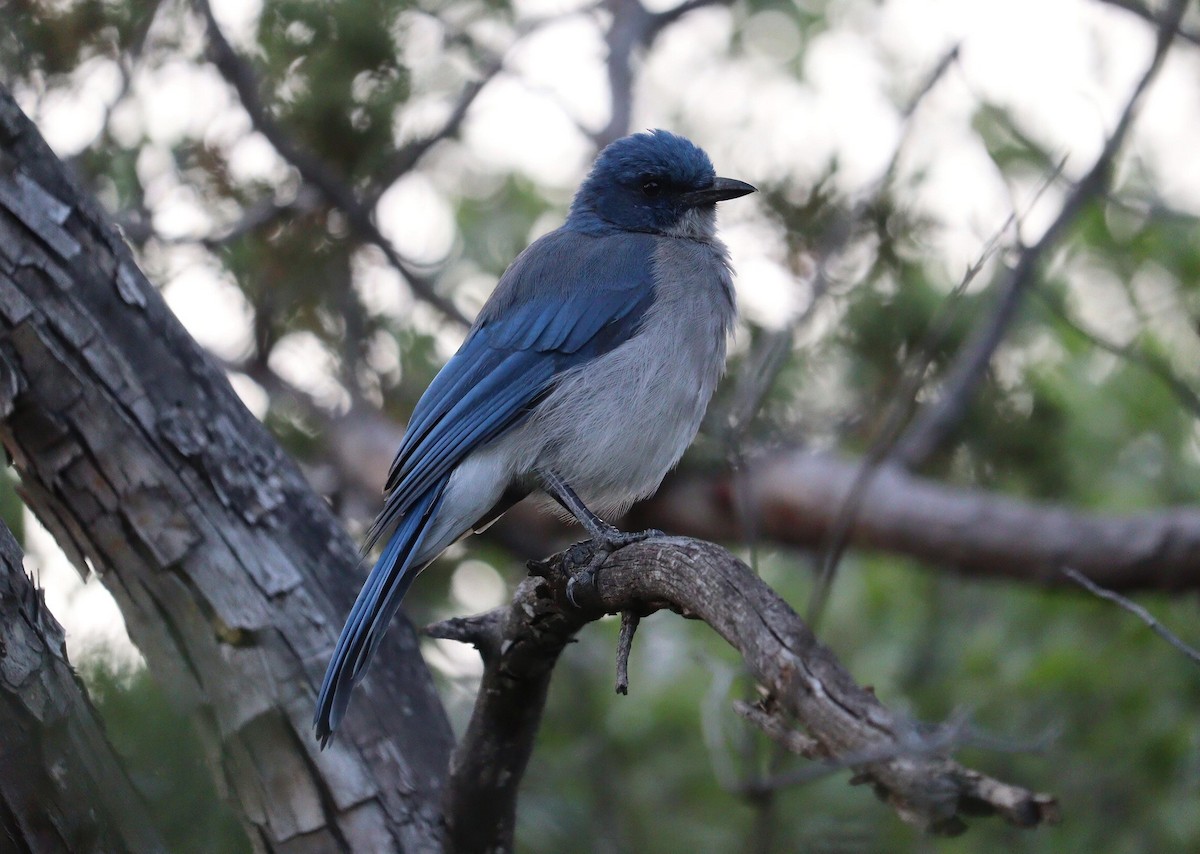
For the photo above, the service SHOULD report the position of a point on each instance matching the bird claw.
(581, 589)
(613, 539)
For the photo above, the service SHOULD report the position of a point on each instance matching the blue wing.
(568, 299)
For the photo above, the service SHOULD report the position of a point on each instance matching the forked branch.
(843, 720)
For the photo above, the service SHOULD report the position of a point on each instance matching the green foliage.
(164, 758)
(332, 71)
(54, 38)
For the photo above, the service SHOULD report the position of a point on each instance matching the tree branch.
(238, 73)
(62, 786)
(934, 424)
(407, 156)
(793, 497)
(702, 580)
(1141, 10)
(1189, 652)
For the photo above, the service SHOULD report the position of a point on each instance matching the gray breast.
(614, 427)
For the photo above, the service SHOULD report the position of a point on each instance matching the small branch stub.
(629, 624)
(845, 724)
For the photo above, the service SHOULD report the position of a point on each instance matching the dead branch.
(922, 784)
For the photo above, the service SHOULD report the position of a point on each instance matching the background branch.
(934, 423)
(793, 497)
(313, 169)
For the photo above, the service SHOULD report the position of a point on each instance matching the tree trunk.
(62, 787)
(233, 577)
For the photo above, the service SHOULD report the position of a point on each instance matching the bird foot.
(610, 539)
(583, 559)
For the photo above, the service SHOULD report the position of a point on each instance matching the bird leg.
(604, 536)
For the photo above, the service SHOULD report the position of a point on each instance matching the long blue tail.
(377, 603)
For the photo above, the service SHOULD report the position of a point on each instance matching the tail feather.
(373, 610)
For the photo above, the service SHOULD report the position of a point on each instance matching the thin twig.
(629, 624)
(1144, 12)
(1157, 367)
(936, 422)
(899, 408)
(1134, 608)
(408, 155)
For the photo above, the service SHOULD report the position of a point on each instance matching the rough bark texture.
(62, 787)
(233, 577)
(846, 724)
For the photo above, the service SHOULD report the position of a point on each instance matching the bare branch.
(793, 497)
(926, 787)
(1137, 610)
(630, 27)
(1141, 10)
(934, 424)
(407, 156)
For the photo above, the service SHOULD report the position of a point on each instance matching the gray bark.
(846, 725)
(62, 786)
(233, 577)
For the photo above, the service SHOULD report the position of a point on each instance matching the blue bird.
(586, 375)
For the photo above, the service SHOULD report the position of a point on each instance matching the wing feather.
(568, 299)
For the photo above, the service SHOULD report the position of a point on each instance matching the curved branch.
(844, 721)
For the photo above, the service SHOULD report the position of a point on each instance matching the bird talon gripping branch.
(586, 374)
(582, 592)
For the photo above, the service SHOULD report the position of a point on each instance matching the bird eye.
(651, 186)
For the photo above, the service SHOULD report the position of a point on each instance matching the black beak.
(722, 189)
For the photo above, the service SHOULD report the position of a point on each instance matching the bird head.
(654, 182)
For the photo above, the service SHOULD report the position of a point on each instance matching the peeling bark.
(233, 577)
(62, 786)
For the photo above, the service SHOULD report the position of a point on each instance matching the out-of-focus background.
(323, 190)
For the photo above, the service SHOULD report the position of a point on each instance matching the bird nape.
(585, 375)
